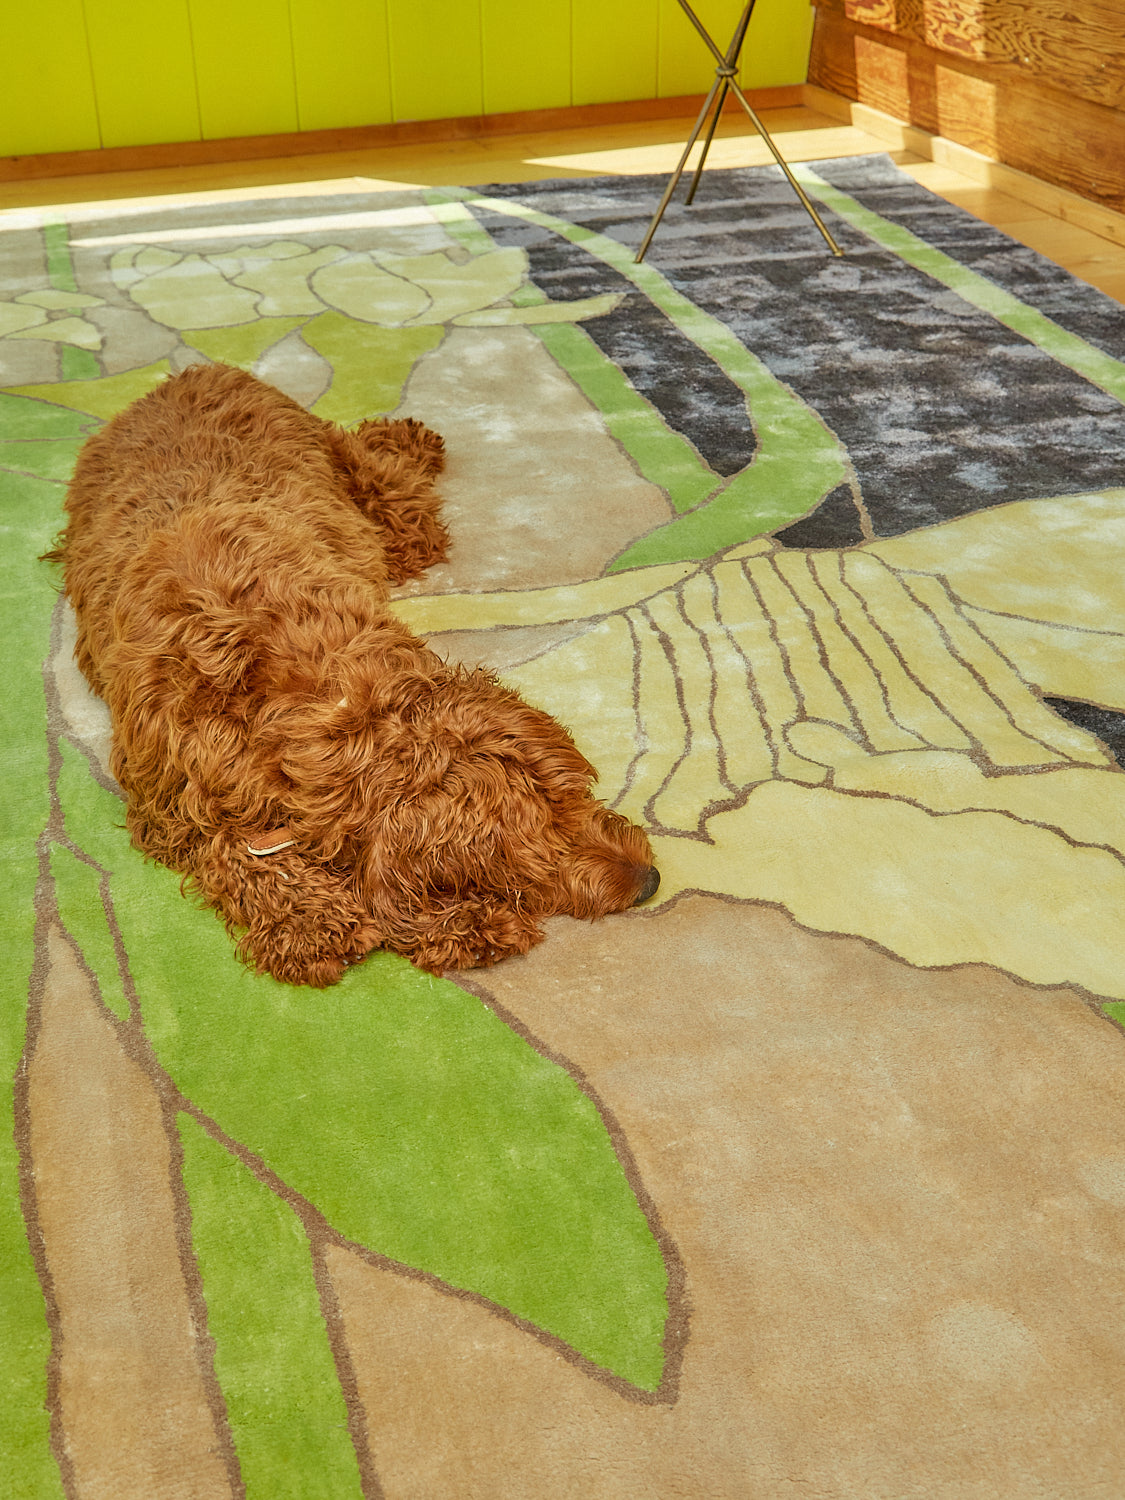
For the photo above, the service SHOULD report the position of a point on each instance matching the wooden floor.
(802, 132)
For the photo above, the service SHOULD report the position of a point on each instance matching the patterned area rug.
(806, 1181)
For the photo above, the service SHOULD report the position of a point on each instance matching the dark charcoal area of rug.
(943, 410)
(1106, 723)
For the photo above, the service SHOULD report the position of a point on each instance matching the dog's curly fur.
(228, 556)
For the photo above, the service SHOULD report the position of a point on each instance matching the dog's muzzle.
(650, 887)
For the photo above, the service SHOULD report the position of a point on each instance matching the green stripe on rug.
(1068, 349)
(799, 459)
(30, 513)
(664, 457)
(75, 364)
(417, 1121)
(272, 1357)
(56, 243)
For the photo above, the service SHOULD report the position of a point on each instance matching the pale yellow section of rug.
(976, 887)
(849, 739)
(1058, 559)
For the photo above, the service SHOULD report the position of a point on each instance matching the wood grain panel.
(1079, 47)
(1074, 45)
(968, 110)
(882, 76)
(878, 69)
(1076, 144)
(904, 17)
(960, 26)
(1027, 114)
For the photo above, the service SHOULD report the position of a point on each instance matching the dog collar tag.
(272, 843)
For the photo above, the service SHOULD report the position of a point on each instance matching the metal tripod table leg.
(722, 99)
(727, 67)
(678, 173)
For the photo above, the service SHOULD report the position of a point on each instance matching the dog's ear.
(475, 719)
(438, 876)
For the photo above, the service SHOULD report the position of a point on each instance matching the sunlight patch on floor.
(734, 151)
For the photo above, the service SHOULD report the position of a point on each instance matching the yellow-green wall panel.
(144, 71)
(686, 65)
(616, 47)
(777, 44)
(342, 63)
(244, 67)
(435, 58)
(47, 94)
(526, 51)
(133, 72)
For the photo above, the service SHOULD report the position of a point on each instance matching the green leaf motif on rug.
(185, 291)
(799, 459)
(24, 420)
(29, 513)
(47, 459)
(104, 397)
(243, 344)
(272, 1358)
(370, 364)
(413, 1118)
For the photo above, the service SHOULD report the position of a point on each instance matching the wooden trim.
(369, 137)
(1060, 202)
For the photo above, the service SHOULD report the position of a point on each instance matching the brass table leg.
(726, 68)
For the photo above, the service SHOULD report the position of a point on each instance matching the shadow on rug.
(807, 1182)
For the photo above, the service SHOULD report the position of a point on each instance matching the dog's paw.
(300, 924)
(408, 436)
(308, 948)
(469, 935)
(296, 968)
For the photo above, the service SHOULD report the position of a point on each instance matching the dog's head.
(476, 821)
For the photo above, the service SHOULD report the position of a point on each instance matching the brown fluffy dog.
(316, 772)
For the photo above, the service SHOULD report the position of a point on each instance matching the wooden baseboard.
(368, 137)
(901, 136)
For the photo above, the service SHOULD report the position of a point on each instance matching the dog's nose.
(650, 887)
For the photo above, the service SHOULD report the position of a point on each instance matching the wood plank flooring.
(802, 132)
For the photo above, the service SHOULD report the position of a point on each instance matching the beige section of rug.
(898, 1198)
(536, 492)
(132, 1382)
